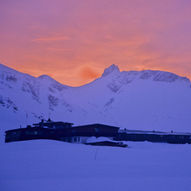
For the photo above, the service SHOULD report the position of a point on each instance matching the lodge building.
(60, 131)
(63, 131)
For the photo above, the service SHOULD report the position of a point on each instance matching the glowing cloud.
(50, 39)
(69, 39)
(87, 73)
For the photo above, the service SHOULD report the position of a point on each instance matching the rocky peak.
(111, 69)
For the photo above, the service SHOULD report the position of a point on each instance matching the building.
(64, 131)
(104, 141)
(29, 133)
(153, 136)
(95, 130)
(60, 131)
(53, 125)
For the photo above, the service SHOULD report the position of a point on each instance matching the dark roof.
(97, 125)
(21, 129)
(127, 131)
(53, 123)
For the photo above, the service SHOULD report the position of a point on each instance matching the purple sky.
(73, 41)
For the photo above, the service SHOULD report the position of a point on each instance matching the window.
(31, 132)
(96, 130)
(181, 137)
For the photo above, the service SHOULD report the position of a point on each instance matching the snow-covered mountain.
(153, 100)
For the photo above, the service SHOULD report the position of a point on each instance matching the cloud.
(59, 49)
(64, 36)
(87, 73)
(51, 39)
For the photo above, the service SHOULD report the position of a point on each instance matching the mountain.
(152, 100)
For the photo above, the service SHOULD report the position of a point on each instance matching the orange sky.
(73, 41)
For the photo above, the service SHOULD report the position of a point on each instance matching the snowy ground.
(56, 166)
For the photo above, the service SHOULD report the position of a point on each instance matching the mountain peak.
(4, 68)
(49, 80)
(111, 69)
(45, 77)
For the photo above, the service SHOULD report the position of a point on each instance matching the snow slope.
(152, 100)
(134, 100)
(50, 165)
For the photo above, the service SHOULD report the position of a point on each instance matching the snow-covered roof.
(98, 139)
(152, 132)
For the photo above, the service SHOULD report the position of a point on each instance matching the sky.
(73, 41)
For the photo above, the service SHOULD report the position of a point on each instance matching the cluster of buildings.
(104, 135)
(63, 131)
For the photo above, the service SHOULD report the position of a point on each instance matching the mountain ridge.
(130, 99)
(112, 69)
